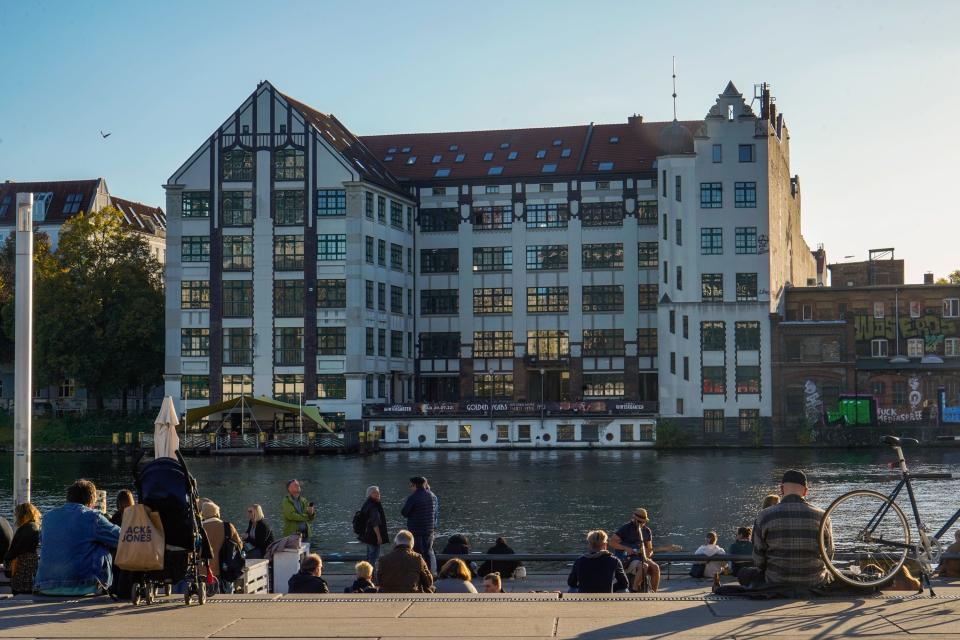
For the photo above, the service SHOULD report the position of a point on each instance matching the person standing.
(373, 522)
(597, 571)
(297, 512)
(420, 510)
(217, 531)
(259, 535)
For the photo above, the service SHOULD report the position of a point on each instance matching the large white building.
(564, 278)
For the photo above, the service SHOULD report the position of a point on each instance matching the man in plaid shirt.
(785, 538)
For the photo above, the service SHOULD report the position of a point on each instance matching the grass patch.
(69, 431)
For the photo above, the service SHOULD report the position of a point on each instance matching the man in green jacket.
(297, 512)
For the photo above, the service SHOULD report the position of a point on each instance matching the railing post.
(312, 442)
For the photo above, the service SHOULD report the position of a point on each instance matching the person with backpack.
(228, 560)
(370, 524)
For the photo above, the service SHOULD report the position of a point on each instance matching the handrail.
(570, 557)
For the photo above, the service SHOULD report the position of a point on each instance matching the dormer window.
(405, 150)
(5, 204)
(565, 153)
(494, 171)
(504, 145)
(72, 205)
(411, 160)
(730, 112)
(512, 155)
(557, 142)
(488, 156)
(605, 166)
(442, 173)
(387, 158)
(392, 150)
(436, 159)
(614, 139)
(541, 154)
(460, 157)
(454, 147)
(549, 168)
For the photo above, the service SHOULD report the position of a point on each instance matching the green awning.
(309, 412)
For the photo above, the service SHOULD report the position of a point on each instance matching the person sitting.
(124, 500)
(769, 501)
(259, 535)
(904, 581)
(454, 578)
(75, 544)
(308, 579)
(364, 581)
(633, 544)
(403, 570)
(6, 535)
(492, 583)
(20, 559)
(710, 569)
(598, 570)
(950, 568)
(459, 545)
(741, 547)
(217, 531)
(503, 567)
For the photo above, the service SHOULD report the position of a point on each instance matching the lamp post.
(543, 401)
(23, 358)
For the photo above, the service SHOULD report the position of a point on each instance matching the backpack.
(360, 523)
(232, 559)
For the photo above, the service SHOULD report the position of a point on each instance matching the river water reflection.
(542, 501)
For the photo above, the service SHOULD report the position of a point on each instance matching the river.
(541, 501)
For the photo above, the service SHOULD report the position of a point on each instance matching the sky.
(869, 91)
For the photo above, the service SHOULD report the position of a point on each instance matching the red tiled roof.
(141, 217)
(56, 205)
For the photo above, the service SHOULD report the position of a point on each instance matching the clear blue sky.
(869, 90)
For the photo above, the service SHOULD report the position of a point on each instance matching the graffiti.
(763, 243)
(915, 396)
(891, 415)
(813, 402)
(932, 328)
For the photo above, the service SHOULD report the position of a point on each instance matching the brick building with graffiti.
(896, 344)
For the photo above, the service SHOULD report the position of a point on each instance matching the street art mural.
(931, 327)
(812, 402)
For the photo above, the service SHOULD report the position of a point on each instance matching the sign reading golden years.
(507, 409)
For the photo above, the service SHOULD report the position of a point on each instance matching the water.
(541, 501)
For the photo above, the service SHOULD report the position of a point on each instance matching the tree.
(952, 278)
(44, 264)
(99, 314)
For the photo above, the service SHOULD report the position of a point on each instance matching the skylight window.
(72, 205)
(565, 153)
(387, 158)
(405, 150)
(5, 205)
(460, 157)
(614, 139)
(549, 168)
(557, 142)
(411, 159)
(454, 147)
(392, 150)
(488, 156)
(605, 166)
(504, 145)
(436, 159)
(442, 173)
(541, 154)
(512, 155)
(495, 171)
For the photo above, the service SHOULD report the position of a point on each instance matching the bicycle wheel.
(871, 538)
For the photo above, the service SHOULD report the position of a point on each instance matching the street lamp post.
(23, 358)
(543, 401)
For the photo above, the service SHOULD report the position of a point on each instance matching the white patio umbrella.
(165, 438)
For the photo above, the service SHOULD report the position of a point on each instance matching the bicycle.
(870, 538)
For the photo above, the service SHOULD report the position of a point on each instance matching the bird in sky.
(105, 135)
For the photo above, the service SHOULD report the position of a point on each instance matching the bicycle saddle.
(896, 442)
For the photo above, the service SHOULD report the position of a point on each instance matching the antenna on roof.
(674, 88)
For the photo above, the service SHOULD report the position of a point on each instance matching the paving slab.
(565, 609)
(490, 626)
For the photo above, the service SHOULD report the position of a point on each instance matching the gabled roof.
(141, 217)
(57, 207)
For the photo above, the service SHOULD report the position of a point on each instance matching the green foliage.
(75, 430)
(952, 278)
(670, 434)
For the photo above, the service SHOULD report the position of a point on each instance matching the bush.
(68, 431)
(670, 434)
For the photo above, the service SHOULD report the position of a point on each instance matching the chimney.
(635, 119)
(928, 277)
(765, 101)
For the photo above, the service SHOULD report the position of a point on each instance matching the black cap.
(795, 477)
(418, 481)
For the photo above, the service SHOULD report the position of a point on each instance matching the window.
(523, 433)
(332, 386)
(601, 166)
(368, 204)
(503, 433)
(237, 298)
(288, 297)
(648, 255)
(718, 153)
(603, 342)
(460, 157)
(493, 300)
(713, 335)
(951, 347)
(666, 229)
(547, 216)
(492, 344)
(288, 207)
(711, 195)
(602, 256)
(491, 188)
(488, 156)
(195, 294)
(746, 287)
(878, 348)
(746, 152)
(745, 240)
(411, 160)
(492, 258)
(195, 204)
(194, 387)
(238, 346)
(440, 433)
(396, 299)
(371, 343)
(434, 220)
(409, 218)
(647, 213)
(331, 341)
(288, 346)
(603, 297)
(603, 385)
(749, 420)
(915, 347)
(332, 202)
(747, 335)
(331, 294)
(748, 379)
(403, 430)
(439, 260)
(601, 214)
(647, 296)
(195, 249)
(679, 232)
(382, 205)
(548, 344)
(396, 214)
(396, 344)
(951, 307)
(237, 208)
(331, 246)
(195, 343)
(565, 153)
(711, 285)
(381, 296)
(714, 380)
(72, 203)
(382, 253)
(647, 342)
(672, 321)
(807, 311)
(440, 345)
(439, 301)
(237, 253)
(235, 386)
(288, 387)
(492, 218)
(686, 368)
(745, 195)
(878, 310)
(546, 257)
(368, 249)
(288, 164)
(494, 171)
(673, 362)
(512, 155)
(493, 385)
(711, 241)
(627, 433)
(547, 299)
(237, 165)
(288, 253)
(396, 257)
(5, 204)
(677, 188)
(368, 288)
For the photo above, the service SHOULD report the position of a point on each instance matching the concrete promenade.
(687, 610)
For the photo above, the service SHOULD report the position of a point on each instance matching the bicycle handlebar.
(894, 441)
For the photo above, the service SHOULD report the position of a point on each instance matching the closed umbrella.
(165, 438)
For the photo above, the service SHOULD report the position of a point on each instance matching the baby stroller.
(166, 486)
